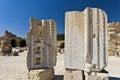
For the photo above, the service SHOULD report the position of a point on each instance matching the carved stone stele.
(86, 39)
(41, 41)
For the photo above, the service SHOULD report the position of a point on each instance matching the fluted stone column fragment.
(86, 40)
(95, 39)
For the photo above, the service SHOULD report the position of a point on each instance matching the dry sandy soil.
(14, 67)
(114, 67)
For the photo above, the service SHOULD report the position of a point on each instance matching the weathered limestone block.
(97, 76)
(95, 39)
(86, 39)
(41, 42)
(73, 74)
(74, 40)
(41, 74)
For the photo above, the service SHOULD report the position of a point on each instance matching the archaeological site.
(85, 46)
(89, 49)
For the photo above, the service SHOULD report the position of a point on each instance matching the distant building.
(13, 39)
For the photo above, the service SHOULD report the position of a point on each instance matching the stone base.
(41, 74)
(97, 76)
(73, 74)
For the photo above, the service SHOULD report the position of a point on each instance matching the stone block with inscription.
(86, 39)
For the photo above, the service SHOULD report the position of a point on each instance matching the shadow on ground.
(58, 77)
(114, 78)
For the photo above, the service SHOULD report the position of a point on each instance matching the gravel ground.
(114, 67)
(14, 67)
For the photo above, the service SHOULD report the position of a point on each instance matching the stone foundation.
(72, 74)
(97, 76)
(6, 48)
(41, 74)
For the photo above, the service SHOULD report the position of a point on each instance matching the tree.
(60, 37)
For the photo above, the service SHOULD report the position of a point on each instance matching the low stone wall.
(97, 76)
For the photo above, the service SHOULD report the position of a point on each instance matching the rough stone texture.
(86, 39)
(41, 42)
(97, 76)
(41, 74)
(95, 39)
(114, 39)
(6, 48)
(71, 74)
(74, 40)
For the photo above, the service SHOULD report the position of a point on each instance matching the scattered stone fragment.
(15, 53)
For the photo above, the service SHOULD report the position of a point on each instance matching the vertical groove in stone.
(98, 38)
(90, 36)
(104, 32)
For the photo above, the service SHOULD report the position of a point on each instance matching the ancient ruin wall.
(41, 42)
(114, 38)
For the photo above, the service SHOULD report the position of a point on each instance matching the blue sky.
(15, 14)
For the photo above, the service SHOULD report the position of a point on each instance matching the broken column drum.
(41, 41)
(86, 39)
